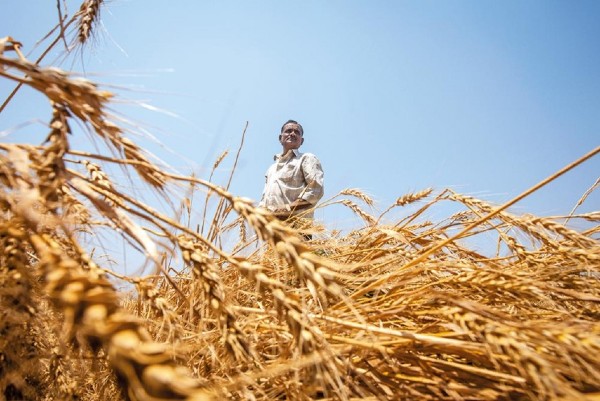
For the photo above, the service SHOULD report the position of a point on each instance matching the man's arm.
(262, 202)
(314, 177)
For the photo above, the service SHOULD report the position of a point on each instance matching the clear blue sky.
(487, 98)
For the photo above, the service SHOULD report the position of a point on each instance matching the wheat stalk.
(88, 15)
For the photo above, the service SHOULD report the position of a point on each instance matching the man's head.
(291, 136)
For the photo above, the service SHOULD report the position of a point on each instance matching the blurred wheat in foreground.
(388, 311)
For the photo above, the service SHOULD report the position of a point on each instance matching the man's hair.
(292, 122)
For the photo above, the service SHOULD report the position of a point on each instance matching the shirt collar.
(279, 156)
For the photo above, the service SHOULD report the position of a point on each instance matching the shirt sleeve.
(313, 175)
(261, 203)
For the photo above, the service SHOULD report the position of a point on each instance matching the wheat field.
(245, 308)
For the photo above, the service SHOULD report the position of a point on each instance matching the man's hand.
(281, 213)
(298, 204)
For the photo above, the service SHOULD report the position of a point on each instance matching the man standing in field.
(294, 182)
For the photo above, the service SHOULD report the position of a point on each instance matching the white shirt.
(294, 175)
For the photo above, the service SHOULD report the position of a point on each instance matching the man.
(294, 183)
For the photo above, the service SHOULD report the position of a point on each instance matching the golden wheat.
(400, 309)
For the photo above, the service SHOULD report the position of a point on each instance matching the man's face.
(291, 137)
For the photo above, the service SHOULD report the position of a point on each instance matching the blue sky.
(486, 98)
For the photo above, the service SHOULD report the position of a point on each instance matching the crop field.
(247, 309)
